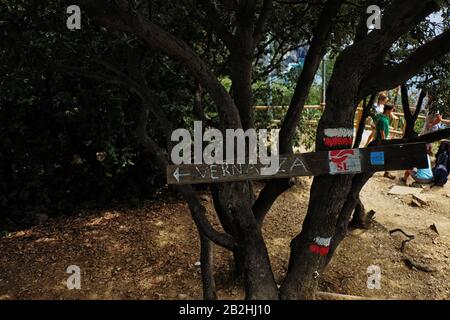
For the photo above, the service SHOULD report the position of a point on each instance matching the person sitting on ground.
(421, 176)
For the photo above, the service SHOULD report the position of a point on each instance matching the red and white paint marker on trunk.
(338, 137)
(320, 246)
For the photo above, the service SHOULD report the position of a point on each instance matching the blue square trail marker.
(377, 158)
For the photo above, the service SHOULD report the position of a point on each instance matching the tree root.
(410, 238)
(410, 262)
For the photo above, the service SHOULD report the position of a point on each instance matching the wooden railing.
(396, 131)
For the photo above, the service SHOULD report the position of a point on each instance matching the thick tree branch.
(362, 122)
(121, 78)
(188, 193)
(426, 138)
(312, 62)
(431, 137)
(197, 209)
(278, 59)
(361, 28)
(405, 101)
(121, 17)
(313, 58)
(398, 19)
(422, 96)
(264, 16)
(410, 121)
(216, 20)
(389, 77)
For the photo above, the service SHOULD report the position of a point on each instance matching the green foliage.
(307, 128)
(277, 93)
(66, 141)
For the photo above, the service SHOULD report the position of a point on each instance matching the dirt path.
(151, 253)
(396, 211)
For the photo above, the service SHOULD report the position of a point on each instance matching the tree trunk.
(241, 70)
(353, 205)
(309, 250)
(251, 256)
(328, 194)
(207, 267)
(258, 275)
(199, 112)
(220, 205)
(361, 218)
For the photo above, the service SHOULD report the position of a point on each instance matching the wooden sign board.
(350, 161)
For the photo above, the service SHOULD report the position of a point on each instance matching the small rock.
(422, 199)
(182, 296)
(403, 191)
(198, 264)
(357, 232)
(434, 228)
(415, 203)
(204, 197)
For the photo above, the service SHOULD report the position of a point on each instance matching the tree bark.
(220, 206)
(362, 122)
(328, 193)
(251, 253)
(207, 268)
(241, 70)
(411, 118)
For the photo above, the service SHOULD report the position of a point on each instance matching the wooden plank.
(395, 157)
(337, 296)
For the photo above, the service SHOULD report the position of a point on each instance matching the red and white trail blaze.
(338, 137)
(320, 246)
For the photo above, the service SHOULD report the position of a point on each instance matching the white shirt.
(379, 108)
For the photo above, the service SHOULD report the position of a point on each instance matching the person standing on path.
(432, 124)
(382, 129)
(376, 111)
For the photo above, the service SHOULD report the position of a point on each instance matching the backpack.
(444, 149)
(441, 170)
(440, 174)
